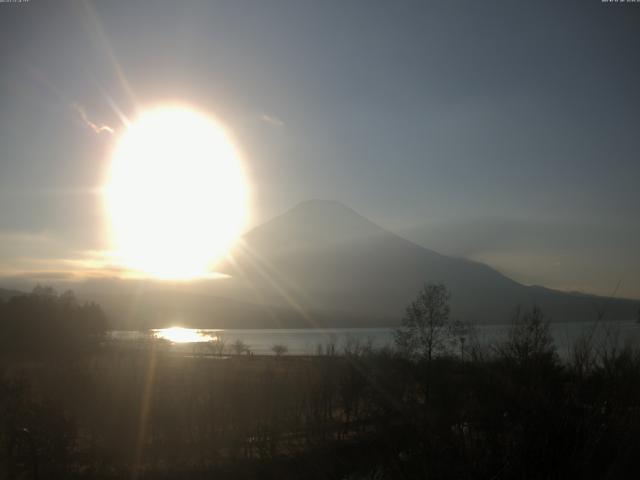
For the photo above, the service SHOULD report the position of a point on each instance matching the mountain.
(322, 256)
(6, 294)
(323, 264)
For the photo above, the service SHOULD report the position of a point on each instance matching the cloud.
(271, 120)
(44, 275)
(93, 126)
(42, 256)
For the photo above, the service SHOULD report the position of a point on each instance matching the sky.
(505, 132)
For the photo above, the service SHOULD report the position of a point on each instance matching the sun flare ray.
(277, 280)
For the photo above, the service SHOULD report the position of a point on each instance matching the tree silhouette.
(279, 349)
(44, 323)
(239, 347)
(425, 325)
(529, 338)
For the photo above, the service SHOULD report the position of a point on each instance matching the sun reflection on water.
(184, 335)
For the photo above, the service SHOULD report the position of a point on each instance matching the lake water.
(308, 341)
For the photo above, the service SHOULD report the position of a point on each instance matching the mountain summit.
(312, 224)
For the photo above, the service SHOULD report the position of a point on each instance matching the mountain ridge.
(342, 261)
(322, 264)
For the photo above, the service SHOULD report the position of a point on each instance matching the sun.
(176, 194)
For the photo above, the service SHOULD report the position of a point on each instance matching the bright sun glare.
(183, 335)
(176, 194)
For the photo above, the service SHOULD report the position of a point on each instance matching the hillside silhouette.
(327, 257)
(323, 264)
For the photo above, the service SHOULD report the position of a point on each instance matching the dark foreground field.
(440, 405)
(145, 413)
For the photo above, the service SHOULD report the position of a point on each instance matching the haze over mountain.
(322, 264)
(323, 256)
(6, 294)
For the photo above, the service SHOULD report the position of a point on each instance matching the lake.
(308, 341)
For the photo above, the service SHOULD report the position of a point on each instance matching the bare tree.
(425, 326)
(279, 349)
(529, 337)
(239, 347)
(218, 344)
